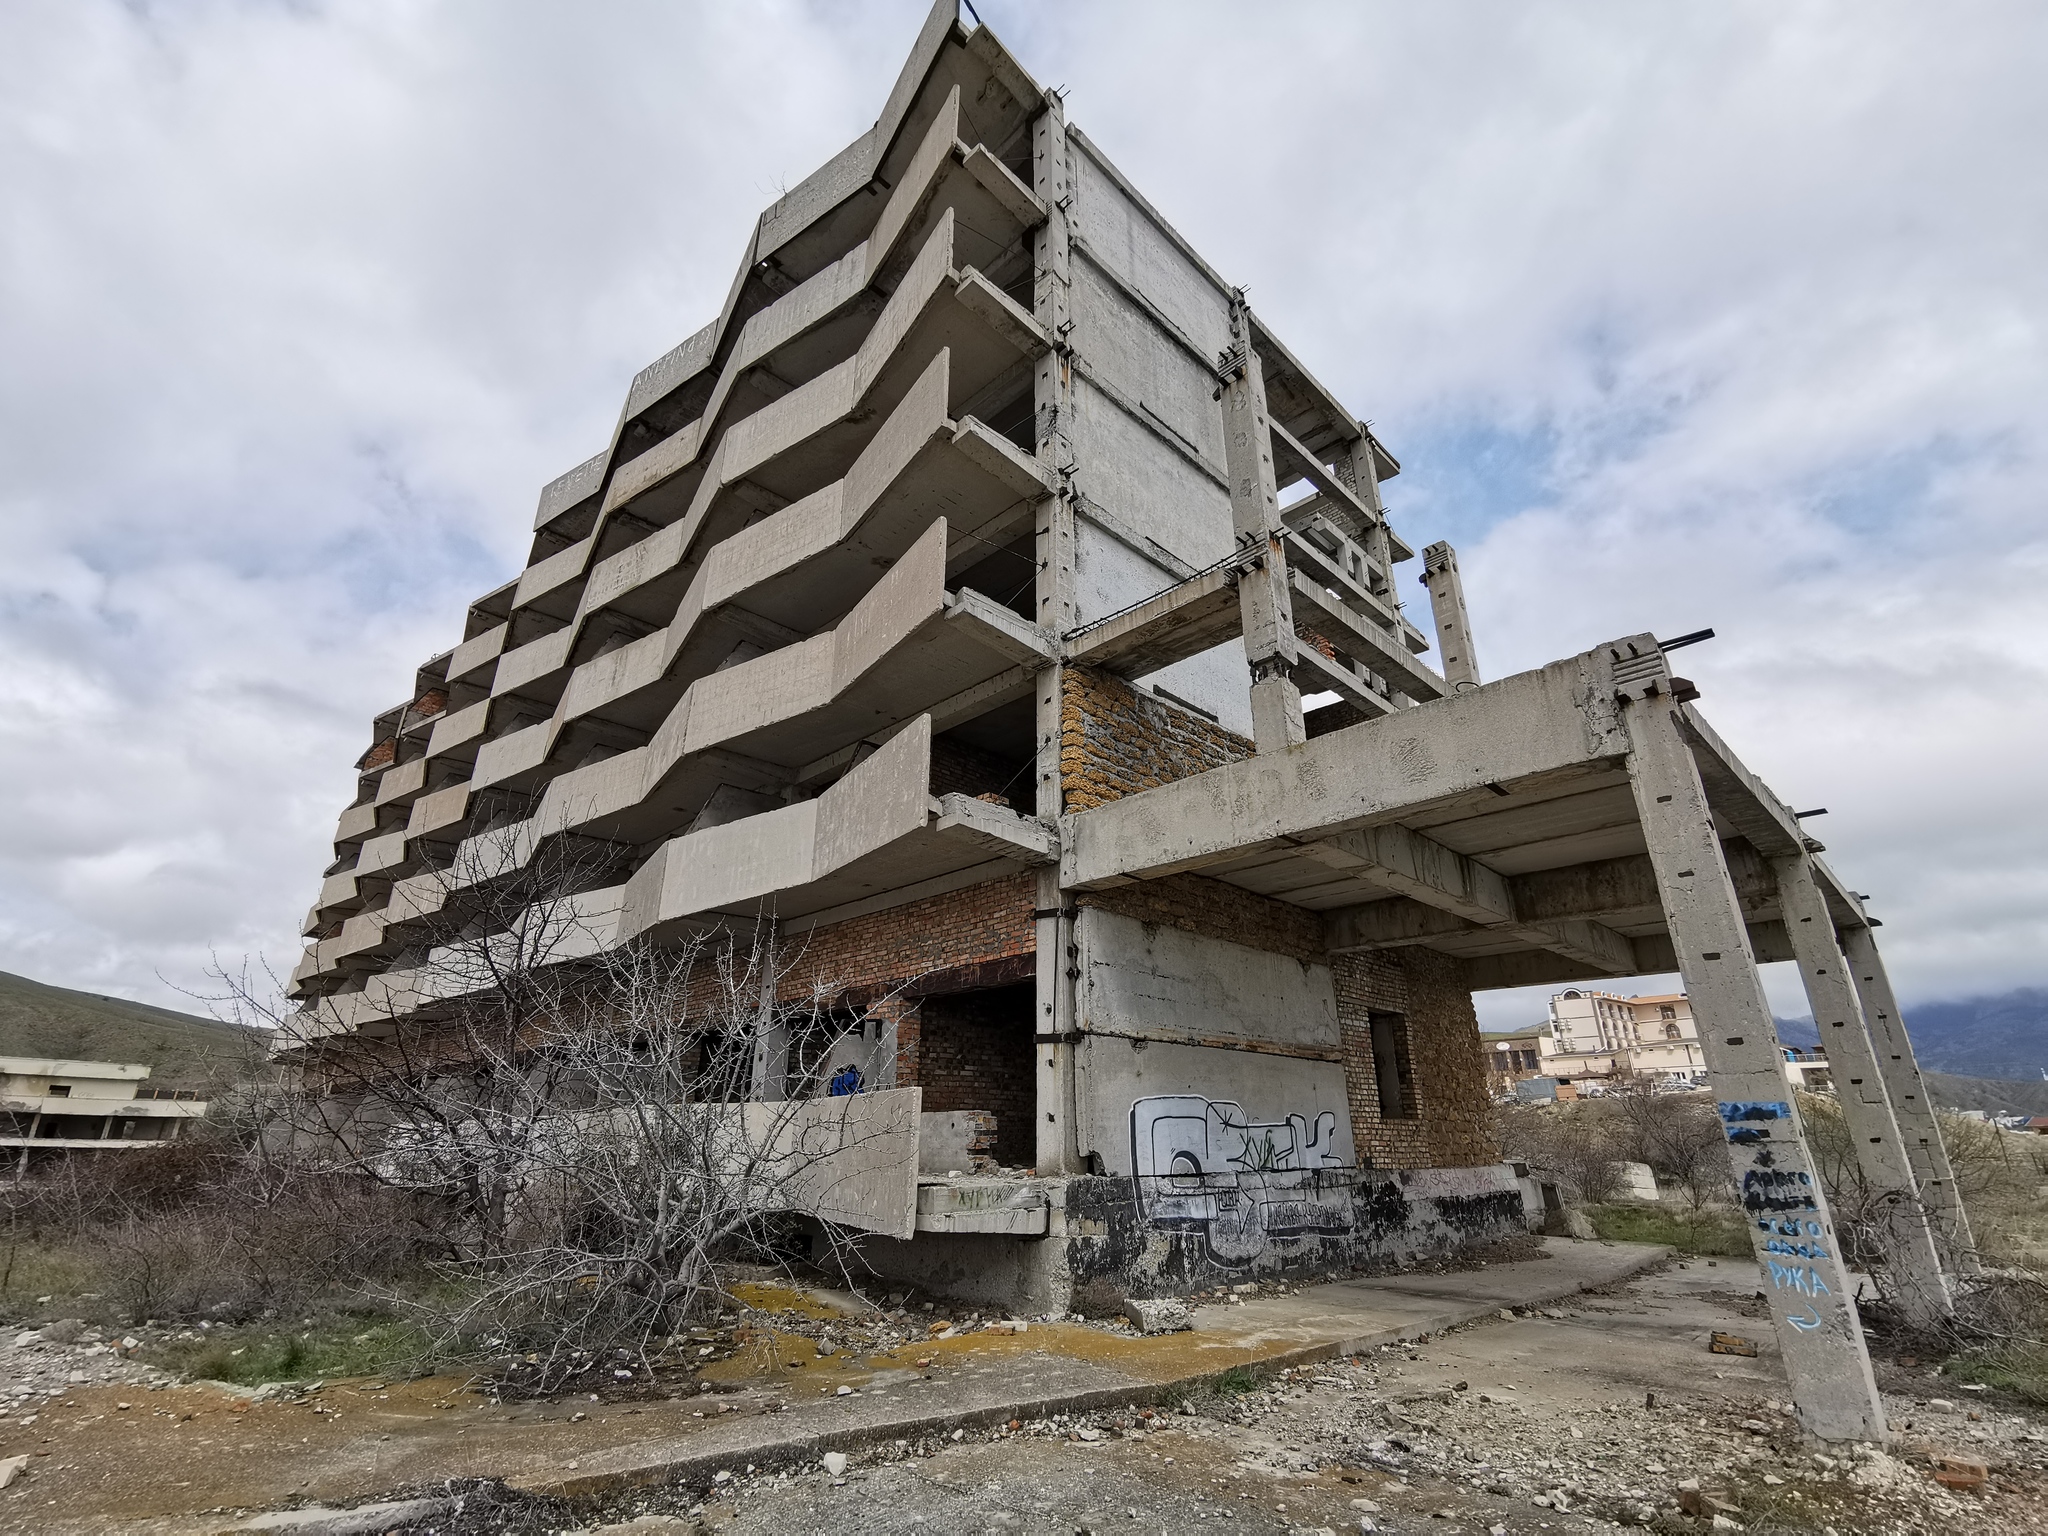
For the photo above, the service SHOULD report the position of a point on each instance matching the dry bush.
(1574, 1149)
(1679, 1135)
(197, 1228)
(595, 1128)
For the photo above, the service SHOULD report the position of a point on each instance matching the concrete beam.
(1907, 1092)
(1180, 622)
(1381, 653)
(1436, 876)
(1263, 592)
(1370, 774)
(1447, 604)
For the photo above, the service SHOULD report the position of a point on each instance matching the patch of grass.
(333, 1347)
(29, 1269)
(2019, 1368)
(1713, 1231)
(1236, 1381)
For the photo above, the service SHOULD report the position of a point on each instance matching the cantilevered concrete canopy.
(1497, 825)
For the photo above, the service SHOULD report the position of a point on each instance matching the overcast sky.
(1677, 316)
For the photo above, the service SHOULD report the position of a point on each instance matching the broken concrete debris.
(1160, 1316)
(936, 606)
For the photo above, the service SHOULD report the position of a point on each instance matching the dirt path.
(1591, 1413)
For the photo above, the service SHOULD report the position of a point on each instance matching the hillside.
(181, 1049)
(2004, 1035)
(2008, 1095)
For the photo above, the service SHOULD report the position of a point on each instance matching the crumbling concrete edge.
(693, 1467)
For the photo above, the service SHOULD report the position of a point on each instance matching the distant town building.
(1808, 1069)
(1605, 1035)
(1514, 1058)
(51, 1106)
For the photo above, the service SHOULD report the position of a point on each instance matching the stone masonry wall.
(1452, 1123)
(1115, 741)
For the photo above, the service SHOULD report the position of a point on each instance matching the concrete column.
(1910, 1106)
(770, 1078)
(1378, 539)
(1911, 1257)
(1818, 1331)
(1052, 396)
(1447, 605)
(1268, 610)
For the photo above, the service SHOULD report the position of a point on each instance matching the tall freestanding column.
(1908, 1093)
(1262, 595)
(1447, 607)
(1053, 1036)
(1819, 1333)
(1911, 1257)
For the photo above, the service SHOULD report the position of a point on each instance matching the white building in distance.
(1603, 1034)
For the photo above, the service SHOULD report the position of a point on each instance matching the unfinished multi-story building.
(988, 599)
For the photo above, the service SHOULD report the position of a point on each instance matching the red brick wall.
(975, 1053)
(1115, 741)
(885, 949)
(875, 955)
(1452, 1122)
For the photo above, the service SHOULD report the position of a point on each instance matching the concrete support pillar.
(1053, 1028)
(1377, 537)
(1447, 605)
(1263, 599)
(1910, 1106)
(1912, 1261)
(769, 1079)
(1818, 1331)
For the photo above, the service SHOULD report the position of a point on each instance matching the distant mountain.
(180, 1049)
(2000, 1095)
(2002, 1036)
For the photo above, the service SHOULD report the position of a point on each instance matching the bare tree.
(1679, 1135)
(599, 1125)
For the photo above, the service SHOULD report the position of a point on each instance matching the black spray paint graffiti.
(1201, 1165)
(1768, 1194)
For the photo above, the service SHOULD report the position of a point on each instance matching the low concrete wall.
(1168, 1240)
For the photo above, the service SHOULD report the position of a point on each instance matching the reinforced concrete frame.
(989, 553)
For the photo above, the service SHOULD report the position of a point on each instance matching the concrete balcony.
(877, 830)
(474, 661)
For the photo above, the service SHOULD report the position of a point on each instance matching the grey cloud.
(303, 304)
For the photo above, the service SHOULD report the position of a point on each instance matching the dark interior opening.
(974, 1052)
(1390, 1066)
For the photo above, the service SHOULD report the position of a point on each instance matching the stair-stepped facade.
(991, 604)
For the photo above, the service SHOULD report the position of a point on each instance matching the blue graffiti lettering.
(1797, 1277)
(1807, 1323)
(1777, 1189)
(1796, 1250)
(1752, 1109)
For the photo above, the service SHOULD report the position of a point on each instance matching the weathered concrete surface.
(1055, 1369)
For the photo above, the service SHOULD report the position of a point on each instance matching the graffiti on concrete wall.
(1781, 1202)
(1204, 1165)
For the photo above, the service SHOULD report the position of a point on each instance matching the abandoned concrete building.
(951, 600)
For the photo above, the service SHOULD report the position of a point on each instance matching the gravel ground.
(1604, 1414)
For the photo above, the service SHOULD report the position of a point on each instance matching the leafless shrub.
(1679, 1135)
(1571, 1148)
(596, 1126)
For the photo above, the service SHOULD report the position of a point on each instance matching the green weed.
(1712, 1231)
(340, 1346)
